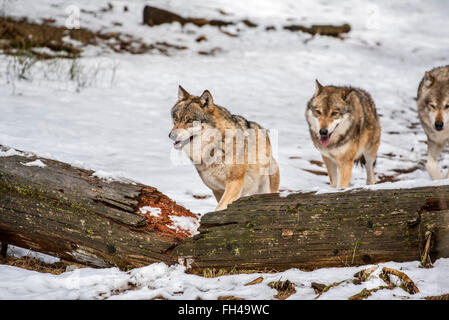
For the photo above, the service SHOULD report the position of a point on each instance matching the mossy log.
(69, 213)
(309, 231)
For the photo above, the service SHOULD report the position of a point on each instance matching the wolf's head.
(190, 116)
(433, 98)
(328, 113)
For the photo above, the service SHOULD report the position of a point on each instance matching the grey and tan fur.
(232, 174)
(433, 112)
(344, 127)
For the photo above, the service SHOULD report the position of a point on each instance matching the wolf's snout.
(439, 125)
(324, 132)
(180, 138)
(324, 137)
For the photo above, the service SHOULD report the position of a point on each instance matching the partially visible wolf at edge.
(209, 135)
(433, 112)
(344, 127)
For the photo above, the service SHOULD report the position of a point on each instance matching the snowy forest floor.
(101, 99)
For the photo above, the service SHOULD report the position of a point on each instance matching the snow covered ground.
(173, 283)
(114, 118)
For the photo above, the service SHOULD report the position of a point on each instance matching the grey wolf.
(232, 155)
(344, 127)
(433, 112)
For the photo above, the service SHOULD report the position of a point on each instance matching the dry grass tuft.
(34, 264)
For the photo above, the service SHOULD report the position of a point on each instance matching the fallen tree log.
(308, 231)
(321, 29)
(70, 213)
(153, 16)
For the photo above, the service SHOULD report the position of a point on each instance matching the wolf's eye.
(447, 106)
(334, 114)
(190, 121)
(432, 106)
(318, 112)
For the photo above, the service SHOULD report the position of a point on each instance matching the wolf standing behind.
(433, 112)
(231, 154)
(344, 127)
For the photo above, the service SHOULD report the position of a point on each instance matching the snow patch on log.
(110, 177)
(13, 152)
(403, 184)
(154, 212)
(35, 163)
(184, 224)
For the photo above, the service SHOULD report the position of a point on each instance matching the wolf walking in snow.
(433, 112)
(344, 127)
(232, 155)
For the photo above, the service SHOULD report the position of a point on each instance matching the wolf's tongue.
(324, 140)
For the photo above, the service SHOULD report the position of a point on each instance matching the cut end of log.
(162, 215)
(73, 214)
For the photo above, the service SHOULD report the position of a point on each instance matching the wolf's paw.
(436, 175)
(434, 171)
(221, 207)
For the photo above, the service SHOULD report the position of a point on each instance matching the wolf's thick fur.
(344, 127)
(433, 112)
(234, 174)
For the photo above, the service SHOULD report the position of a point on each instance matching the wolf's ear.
(318, 88)
(428, 79)
(182, 94)
(206, 100)
(349, 95)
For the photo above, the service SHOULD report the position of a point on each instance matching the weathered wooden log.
(325, 30)
(67, 212)
(308, 231)
(153, 16)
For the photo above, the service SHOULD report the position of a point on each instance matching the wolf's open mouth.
(178, 144)
(324, 140)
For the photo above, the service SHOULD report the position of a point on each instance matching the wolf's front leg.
(434, 150)
(331, 171)
(344, 172)
(232, 192)
(369, 166)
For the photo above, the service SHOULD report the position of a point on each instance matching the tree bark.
(67, 212)
(309, 231)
